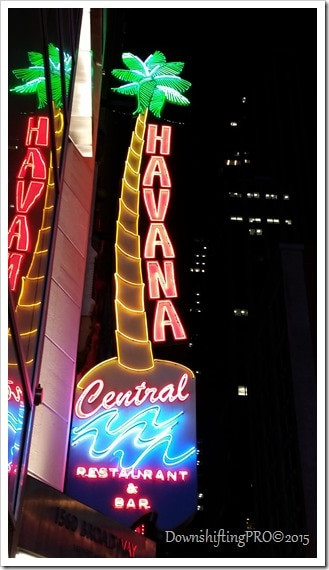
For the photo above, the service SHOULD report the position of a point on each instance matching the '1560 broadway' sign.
(133, 437)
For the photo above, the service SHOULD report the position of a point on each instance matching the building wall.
(49, 443)
(52, 417)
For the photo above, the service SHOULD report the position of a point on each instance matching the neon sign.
(132, 447)
(34, 201)
(16, 413)
(30, 186)
(157, 181)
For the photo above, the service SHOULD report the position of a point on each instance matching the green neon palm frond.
(130, 89)
(173, 68)
(173, 96)
(128, 75)
(36, 86)
(156, 58)
(133, 62)
(54, 57)
(144, 96)
(153, 82)
(157, 102)
(35, 58)
(30, 74)
(175, 82)
(33, 77)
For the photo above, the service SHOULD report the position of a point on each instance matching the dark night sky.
(228, 53)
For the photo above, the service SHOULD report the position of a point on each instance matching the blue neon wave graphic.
(15, 425)
(136, 437)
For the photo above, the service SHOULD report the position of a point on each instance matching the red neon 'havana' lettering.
(163, 309)
(19, 230)
(29, 187)
(153, 138)
(157, 212)
(26, 198)
(157, 167)
(157, 277)
(158, 236)
(37, 136)
(14, 267)
(35, 162)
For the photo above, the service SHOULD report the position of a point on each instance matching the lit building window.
(200, 496)
(235, 195)
(251, 220)
(236, 218)
(286, 197)
(252, 194)
(231, 162)
(196, 270)
(190, 343)
(242, 391)
(255, 232)
(246, 161)
(202, 270)
(233, 124)
(273, 220)
(244, 99)
(271, 196)
(240, 312)
(289, 222)
(204, 247)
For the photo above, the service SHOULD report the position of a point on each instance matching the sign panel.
(133, 436)
(133, 442)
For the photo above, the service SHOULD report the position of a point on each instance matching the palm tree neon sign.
(133, 411)
(34, 80)
(30, 189)
(154, 82)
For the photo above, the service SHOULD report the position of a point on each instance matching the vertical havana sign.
(133, 436)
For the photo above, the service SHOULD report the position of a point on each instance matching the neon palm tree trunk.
(134, 348)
